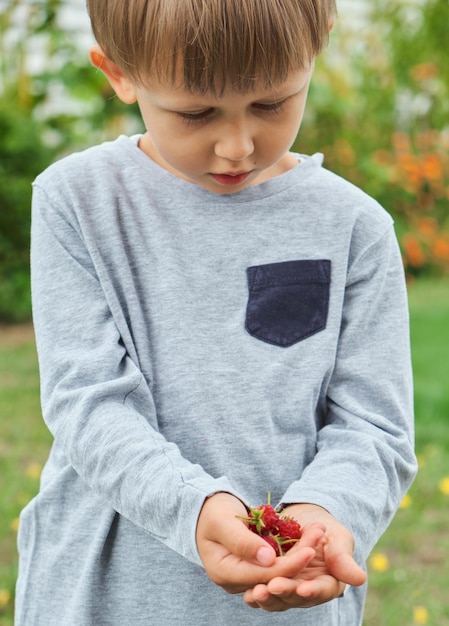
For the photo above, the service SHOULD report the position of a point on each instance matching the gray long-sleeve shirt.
(191, 343)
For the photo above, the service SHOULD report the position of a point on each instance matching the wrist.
(306, 512)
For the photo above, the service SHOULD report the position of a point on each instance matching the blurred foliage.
(22, 155)
(378, 109)
(44, 113)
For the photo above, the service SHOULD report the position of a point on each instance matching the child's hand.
(237, 559)
(326, 574)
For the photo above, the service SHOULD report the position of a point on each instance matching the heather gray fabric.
(157, 394)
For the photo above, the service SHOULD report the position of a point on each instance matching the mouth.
(231, 179)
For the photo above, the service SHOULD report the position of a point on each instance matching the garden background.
(379, 110)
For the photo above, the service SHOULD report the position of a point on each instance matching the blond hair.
(209, 44)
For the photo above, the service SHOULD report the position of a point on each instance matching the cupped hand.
(326, 574)
(237, 559)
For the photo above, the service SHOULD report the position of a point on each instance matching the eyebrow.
(197, 101)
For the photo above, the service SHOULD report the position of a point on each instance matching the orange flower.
(410, 166)
(427, 140)
(413, 250)
(424, 71)
(432, 167)
(441, 248)
(382, 157)
(428, 226)
(401, 141)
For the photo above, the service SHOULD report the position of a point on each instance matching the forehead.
(256, 90)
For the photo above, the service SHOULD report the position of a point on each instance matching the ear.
(331, 24)
(122, 86)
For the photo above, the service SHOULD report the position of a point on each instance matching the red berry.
(289, 527)
(280, 532)
(264, 518)
(273, 543)
(289, 533)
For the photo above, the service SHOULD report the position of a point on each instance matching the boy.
(216, 318)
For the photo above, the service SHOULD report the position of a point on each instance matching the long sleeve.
(95, 399)
(365, 460)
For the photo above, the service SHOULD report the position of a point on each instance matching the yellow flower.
(379, 562)
(5, 597)
(15, 524)
(420, 614)
(406, 502)
(34, 470)
(421, 461)
(444, 485)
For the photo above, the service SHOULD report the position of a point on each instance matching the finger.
(235, 571)
(338, 555)
(325, 586)
(281, 595)
(282, 587)
(343, 566)
(312, 535)
(260, 598)
(253, 596)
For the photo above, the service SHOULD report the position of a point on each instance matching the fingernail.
(265, 556)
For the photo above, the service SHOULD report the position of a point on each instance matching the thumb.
(248, 546)
(221, 522)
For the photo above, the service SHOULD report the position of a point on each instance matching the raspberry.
(263, 518)
(289, 528)
(280, 532)
(289, 533)
(273, 543)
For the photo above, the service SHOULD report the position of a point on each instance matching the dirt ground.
(16, 335)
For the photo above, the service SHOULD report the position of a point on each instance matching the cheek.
(183, 155)
(281, 137)
(292, 127)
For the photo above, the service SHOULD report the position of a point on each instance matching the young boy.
(216, 318)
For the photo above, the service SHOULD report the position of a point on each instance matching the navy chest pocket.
(288, 301)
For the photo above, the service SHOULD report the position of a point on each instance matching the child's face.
(224, 143)
(227, 143)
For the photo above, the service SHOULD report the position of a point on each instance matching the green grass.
(417, 542)
(429, 303)
(415, 546)
(24, 443)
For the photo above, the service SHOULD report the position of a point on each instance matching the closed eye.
(199, 117)
(195, 117)
(270, 107)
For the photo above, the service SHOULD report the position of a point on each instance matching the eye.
(269, 107)
(196, 117)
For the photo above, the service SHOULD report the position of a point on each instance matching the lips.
(230, 179)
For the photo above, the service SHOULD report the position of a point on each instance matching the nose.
(235, 142)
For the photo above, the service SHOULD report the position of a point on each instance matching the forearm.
(365, 459)
(96, 401)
